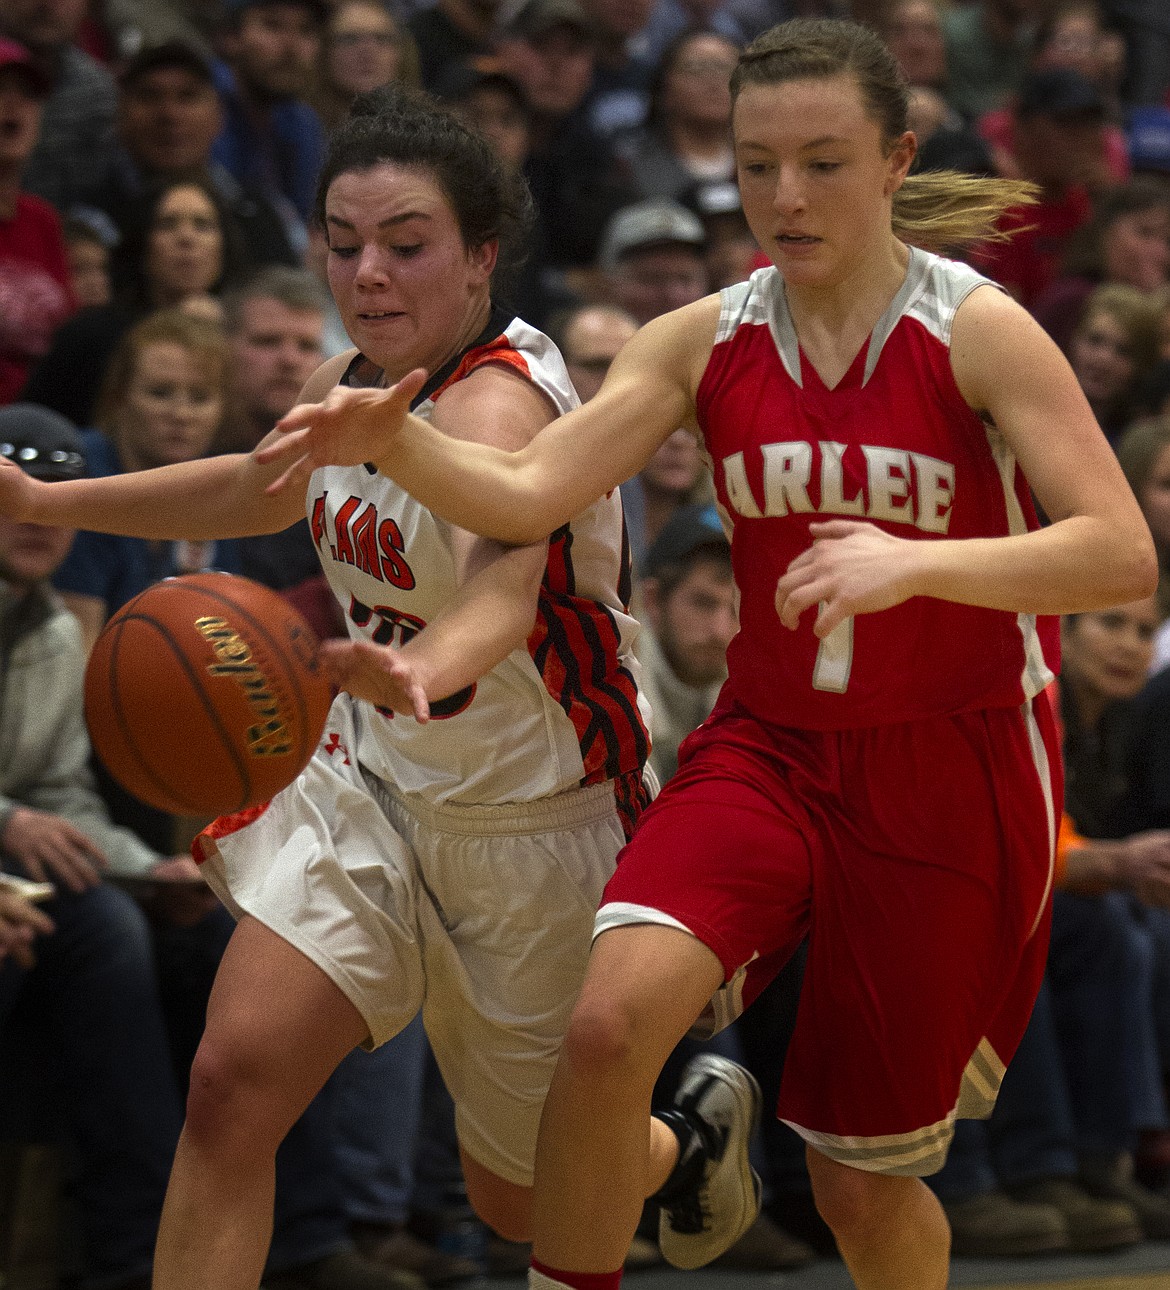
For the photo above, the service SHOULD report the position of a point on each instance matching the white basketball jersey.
(560, 712)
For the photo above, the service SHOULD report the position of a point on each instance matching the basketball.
(204, 694)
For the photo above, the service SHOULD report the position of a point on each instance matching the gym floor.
(1145, 1267)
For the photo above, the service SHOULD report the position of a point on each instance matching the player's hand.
(20, 924)
(851, 568)
(1144, 866)
(51, 848)
(346, 428)
(378, 673)
(182, 896)
(16, 491)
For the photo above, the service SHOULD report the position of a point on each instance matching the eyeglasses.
(55, 461)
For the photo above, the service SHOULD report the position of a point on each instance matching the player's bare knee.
(225, 1102)
(852, 1202)
(601, 1041)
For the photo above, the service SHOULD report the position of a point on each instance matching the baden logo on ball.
(204, 694)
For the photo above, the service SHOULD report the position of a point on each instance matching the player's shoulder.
(327, 376)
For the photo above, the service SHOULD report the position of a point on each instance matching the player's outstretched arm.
(1097, 550)
(494, 606)
(213, 497)
(517, 497)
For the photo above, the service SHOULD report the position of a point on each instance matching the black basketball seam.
(194, 678)
(290, 661)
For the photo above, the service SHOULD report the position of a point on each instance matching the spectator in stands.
(1144, 453)
(1069, 37)
(675, 476)
(169, 116)
(549, 49)
(914, 32)
(1106, 869)
(1148, 139)
(670, 18)
(78, 122)
(181, 250)
(274, 325)
(589, 338)
(731, 251)
(988, 44)
(620, 93)
(271, 135)
(452, 32)
(686, 137)
(1113, 350)
(1058, 121)
(1126, 240)
(496, 106)
(87, 251)
(90, 996)
(163, 401)
(651, 257)
(689, 617)
(364, 47)
(36, 293)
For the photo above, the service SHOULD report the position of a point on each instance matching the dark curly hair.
(406, 127)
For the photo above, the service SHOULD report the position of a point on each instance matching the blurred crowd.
(163, 296)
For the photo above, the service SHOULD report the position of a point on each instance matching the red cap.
(14, 55)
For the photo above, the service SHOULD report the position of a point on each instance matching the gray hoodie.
(44, 747)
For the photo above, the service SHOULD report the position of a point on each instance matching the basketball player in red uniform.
(881, 773)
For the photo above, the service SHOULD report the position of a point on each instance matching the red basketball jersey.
(893, 443)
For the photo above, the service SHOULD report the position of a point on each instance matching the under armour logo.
(333, 744)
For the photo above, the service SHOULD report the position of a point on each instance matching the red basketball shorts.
(916, 858)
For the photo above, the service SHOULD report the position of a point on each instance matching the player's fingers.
(786, 590)
(299, 417)
(837, 528)
(290, 446)
(800, 599)
(831, 614)
(404, 391)
(419, 703)
(296, 475)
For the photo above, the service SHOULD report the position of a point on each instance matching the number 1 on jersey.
(834, 659)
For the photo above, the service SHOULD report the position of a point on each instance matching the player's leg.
(276, 1028)
(600, 1154)
(923, 964)
(891, 1231)
(716, 877)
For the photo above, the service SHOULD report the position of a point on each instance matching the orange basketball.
(204, 694)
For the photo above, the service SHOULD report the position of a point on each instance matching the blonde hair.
(198, 336)
(1136, 312)
(936, 210)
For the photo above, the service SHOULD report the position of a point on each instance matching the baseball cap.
(688, 529)
(650, 223)
(170, 53)
(41, 442)
(1061, 92)
(1149, 138)
(531, 19)
(13, 54)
